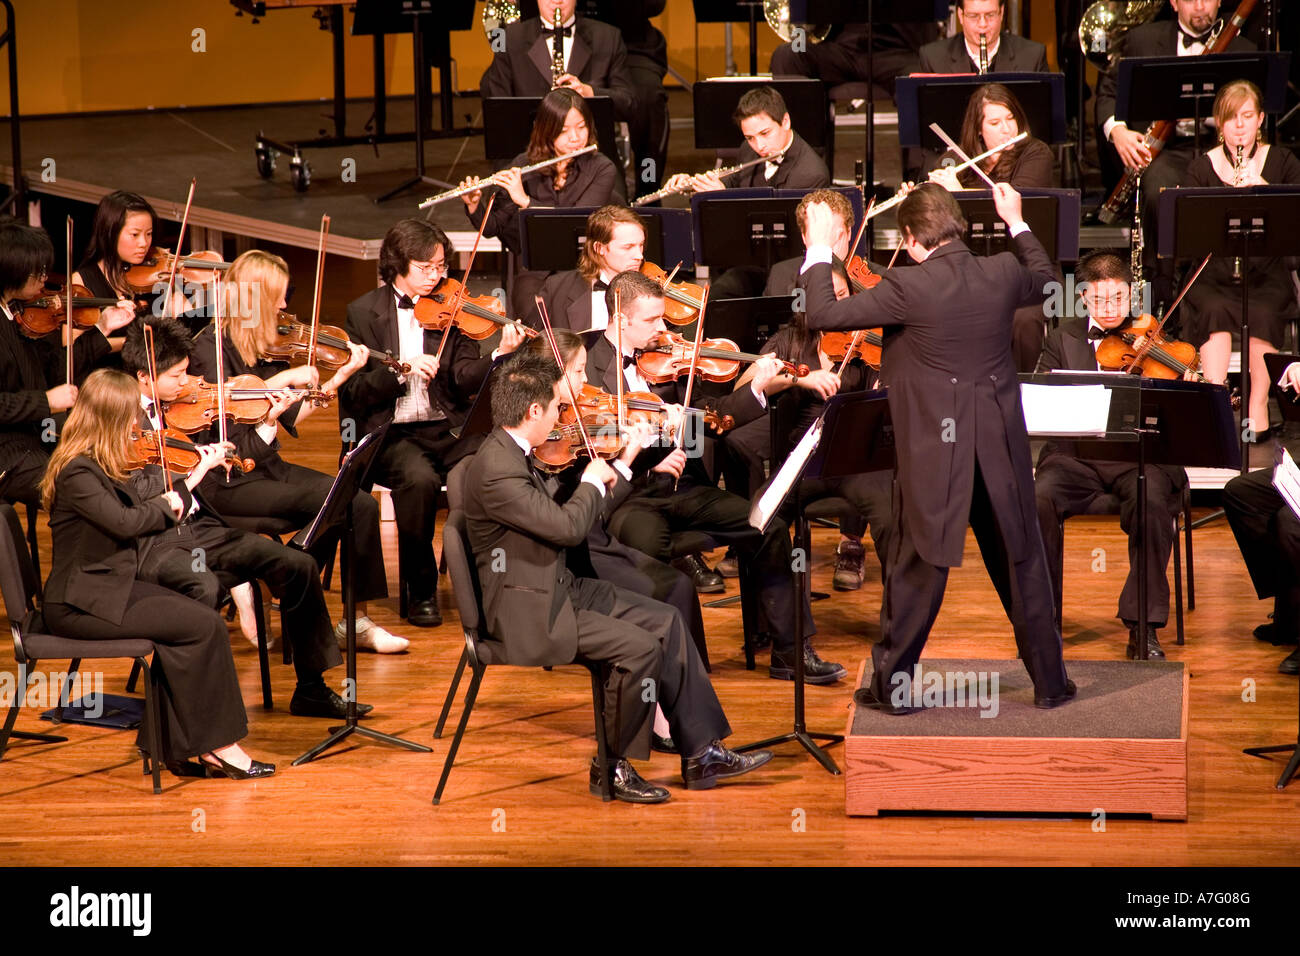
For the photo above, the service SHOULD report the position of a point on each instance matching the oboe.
(557, 49)
(492, 180)
(984, 54)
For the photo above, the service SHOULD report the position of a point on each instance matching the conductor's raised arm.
(882, 305)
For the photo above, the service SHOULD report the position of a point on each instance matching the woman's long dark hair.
(972, 140)
(551, 114)
(110, 217)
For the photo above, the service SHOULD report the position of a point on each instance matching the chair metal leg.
(470, 696)
(1060, 577)
(66, 689)
(263, 638)
(152, 723)
(7, 732)
(602, 740)
(748, 609)
(1178, 586)
(451, 694)
(1187, 541)
(32, 508)
(135, 676)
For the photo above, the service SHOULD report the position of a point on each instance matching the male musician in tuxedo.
(963, 453)
(676, 494)
(538, 613)
(842, 56)
(426, 405)
(1006, 52)
(203, 556)
(576, 299)
(1268, 533)
(1065, 484)
(1187, 35)
(595, 60)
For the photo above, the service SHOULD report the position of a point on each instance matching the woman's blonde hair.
(107, 405)
(253, 288)
(1232, 98)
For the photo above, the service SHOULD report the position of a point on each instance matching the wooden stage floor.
(518, 794)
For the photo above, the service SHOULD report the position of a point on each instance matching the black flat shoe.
(815, 670)
(662, 745)
(222, 769)
(321, 701)
(1290, 664)
(719, 763)
(1154, 651)
(865, 697)
(424, 614)
(705, 580)
(626, 784)
(1047, 703)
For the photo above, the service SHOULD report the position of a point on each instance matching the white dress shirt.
(415, 405)
(991, 50)
(155, 423)
(599, 311)
(568, 41)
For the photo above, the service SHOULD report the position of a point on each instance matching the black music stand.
(744, 228)
(749, 322)
(733, 11)
(1052, 216)
(927, 98)
(1252, 222)
(552, 238)
(508, 124)
(1153, 421)
(338, 505)
(856, 437)
(715, 101)
(1148, 85)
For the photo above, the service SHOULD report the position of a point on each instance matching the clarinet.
(984, 54)
(1136, 248)
(557, 50)
(1238, 173)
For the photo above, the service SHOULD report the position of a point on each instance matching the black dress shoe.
(705, 580)
(424, 614)
(1154, 651)
(1270, 633)
(729, 566)
(719, 763)
(1047, 703)
(663, 745)
(321, 701)
(1290, 664)
(815, 670)
(626, 784)
(222, 769)
(185, 768)
(866, 697)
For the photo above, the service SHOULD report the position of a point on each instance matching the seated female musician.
(564, 124)
(993, 116)
(93, 592)
(257, 282)
(1213, 305)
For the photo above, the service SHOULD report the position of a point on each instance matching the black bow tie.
(562, 32)
(1095, 333)
(404, 301)
(1187, 39)
(600, 285)
(629, 360)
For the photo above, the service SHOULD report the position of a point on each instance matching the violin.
(566, 443)
(668, 356)
(644, 407)
(836, 345)
(247, 401)
(478, 316)
(41, 316)
(1138, 346)
(197, 269)
(182, 455)
(293, 341)
(861, 278)
(681, 299)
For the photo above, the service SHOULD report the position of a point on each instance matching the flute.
(902, 193)
(492, 180)
(724, 171)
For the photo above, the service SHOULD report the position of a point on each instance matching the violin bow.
(315, 299)
(866, 218)
(180, 240)
(157, 407)
(858, 335)
(618, 334)
(695, 362)
(67, 302)
(961, 154)
(1149, 338)
(464, 283)
(221, 368)
(564, 376)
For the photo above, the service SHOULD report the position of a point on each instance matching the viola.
(198, 268)
(48, 312)
(566, 443)
(293, 341)
(478, 316)
(182, 455)
(644, 407)
(836, 346)
(682, 300)
(668, 356)
(1139, 347)
(247, 401)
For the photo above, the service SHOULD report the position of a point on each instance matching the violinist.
(564, 124)
(97, 518)
(425, 405)
(784, 277)
(1065, 484)
(576, 299)
(676, 494)
(1214, 301)
(257, 284)
(33, 389)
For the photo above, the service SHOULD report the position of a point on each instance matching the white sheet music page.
(760, 513)
(1286, 479)
(1065, 410)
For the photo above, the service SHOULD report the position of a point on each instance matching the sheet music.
(1064, 410)
(760, 513)
(1286, 479)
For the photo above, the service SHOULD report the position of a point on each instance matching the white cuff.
(759, 394)
(816, 255)
(622, 469)
(1110, 126)
(1019, 227)
(267, 432)
(599, 485)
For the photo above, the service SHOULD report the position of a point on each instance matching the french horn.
(777, 14)
(1105, 23)
(497, 15)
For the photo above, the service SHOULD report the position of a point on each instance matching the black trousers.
(412, 465)
(1269, 537)
(299, 497)
(1065, 486)
(202, 556)
(199, 702)
(648, 125)
(647, 522)
(651, 661)
(22, 461)
(914, 593)
(834, 63)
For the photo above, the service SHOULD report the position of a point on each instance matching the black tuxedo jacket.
(953, 390)
(598, 58)
(31, 367)
(568, 301)
(1015, 55)
(95, 525)
(369, 396)
(519, 536)
(1159, 38)
(800, 168)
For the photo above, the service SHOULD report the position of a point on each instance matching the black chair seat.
(47, 646)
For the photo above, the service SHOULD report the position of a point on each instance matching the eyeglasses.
(429, 268)
(983, 17)
(43, 274)
(1113, 301)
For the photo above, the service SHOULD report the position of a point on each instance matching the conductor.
(962, 449)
